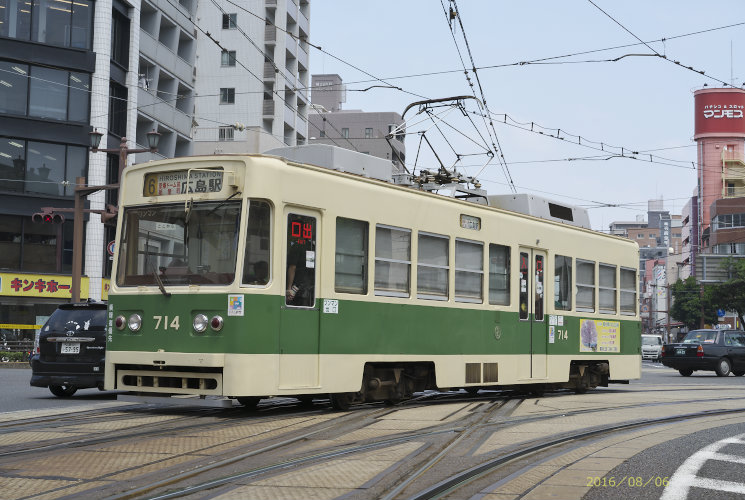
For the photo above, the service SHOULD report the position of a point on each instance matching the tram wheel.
(472, 391)
(63, 391)
(305, 400)
(341, 401)
(249, 403)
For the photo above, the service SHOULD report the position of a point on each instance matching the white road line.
(685, 477)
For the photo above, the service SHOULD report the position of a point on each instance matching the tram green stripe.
(358, 328)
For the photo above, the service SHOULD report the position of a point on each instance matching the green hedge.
(13, 356)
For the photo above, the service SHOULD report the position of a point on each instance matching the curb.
(15, 364)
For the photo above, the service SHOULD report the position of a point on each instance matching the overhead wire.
(451, 14)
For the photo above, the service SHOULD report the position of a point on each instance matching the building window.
(226, 133)
(14, 93)
(48, 93)
(499, 275)
(350, 265)
(40, 167)
(345, 133)
(227, 58)
(117, 109)
(368, 133)
(119, 39)
(322, 133)
(432, 267)
(562, 283)
(392, 261)
(227, 96)
(229, 21)
(469, 270)
(68, 25)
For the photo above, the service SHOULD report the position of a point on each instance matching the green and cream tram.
(255, 276)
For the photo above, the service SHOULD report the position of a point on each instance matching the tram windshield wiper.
(160, 283)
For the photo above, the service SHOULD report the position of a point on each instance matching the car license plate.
(70, 348)
(680, 352)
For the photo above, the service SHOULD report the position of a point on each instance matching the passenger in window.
(260, 274)
(299, 290)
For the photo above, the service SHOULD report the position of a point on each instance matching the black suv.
(72, 349)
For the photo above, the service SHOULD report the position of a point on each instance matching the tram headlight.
(200, 323)
(135, 322)
(216, 323)
(120, 322)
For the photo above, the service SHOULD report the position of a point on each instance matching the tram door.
(299, 316)
(532, 312)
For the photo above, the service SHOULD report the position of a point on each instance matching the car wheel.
(723, 367)
(63, 391)
(686, 372)
(738, 373)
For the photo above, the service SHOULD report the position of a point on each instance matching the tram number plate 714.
(162, 322)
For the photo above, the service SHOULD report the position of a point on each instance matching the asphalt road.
(16, 393)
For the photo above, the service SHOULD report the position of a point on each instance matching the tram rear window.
(174, 245)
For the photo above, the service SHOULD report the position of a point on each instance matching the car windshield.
(177, 245)
(76, 320)
(700, 337)
(651, 340)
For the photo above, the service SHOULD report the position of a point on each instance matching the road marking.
(685, 477)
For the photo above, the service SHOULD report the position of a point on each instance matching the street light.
(82, 190)
(153, 138)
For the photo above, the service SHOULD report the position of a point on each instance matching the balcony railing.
(270, 34)
(732, 156)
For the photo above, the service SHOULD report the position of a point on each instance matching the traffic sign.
(110, 247)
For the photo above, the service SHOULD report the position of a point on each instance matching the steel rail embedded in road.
(461, 479)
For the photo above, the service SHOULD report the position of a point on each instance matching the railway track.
(428, 447)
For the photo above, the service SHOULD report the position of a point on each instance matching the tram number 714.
(174, 324)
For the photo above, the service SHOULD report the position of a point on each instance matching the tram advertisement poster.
(599, 336)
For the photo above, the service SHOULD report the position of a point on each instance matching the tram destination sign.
(183, 182)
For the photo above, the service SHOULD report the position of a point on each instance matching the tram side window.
(392, 261)
(585, 285)
(607, 288)
(562, 283)
(469, 271)
(628, 291)
(432, 267)
(350, 274)
(499, 275)
(301, 260)
(256, 261)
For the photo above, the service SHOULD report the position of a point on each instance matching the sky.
(642, 102)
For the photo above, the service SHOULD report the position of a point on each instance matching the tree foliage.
(689, 300)
(730, 295)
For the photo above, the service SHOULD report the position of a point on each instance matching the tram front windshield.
(177, 245)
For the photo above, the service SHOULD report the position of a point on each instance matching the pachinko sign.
(38, 285)
(720, 112)
(599, 336)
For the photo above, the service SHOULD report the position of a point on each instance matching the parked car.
(722, 351)
(652, 347)
(71, 349)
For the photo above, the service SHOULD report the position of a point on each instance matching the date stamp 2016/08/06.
(628, 481)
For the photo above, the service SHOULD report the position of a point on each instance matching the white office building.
(251, 76)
